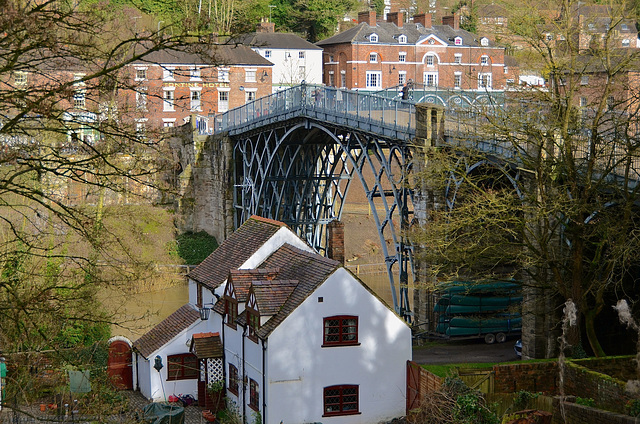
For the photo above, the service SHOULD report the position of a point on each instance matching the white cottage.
(306, 341)
(168, 358)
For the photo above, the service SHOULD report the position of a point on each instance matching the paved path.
(459, 352)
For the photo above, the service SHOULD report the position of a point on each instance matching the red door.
(119, 365)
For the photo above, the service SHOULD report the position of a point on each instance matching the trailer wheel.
(489, 338)
(501, 337)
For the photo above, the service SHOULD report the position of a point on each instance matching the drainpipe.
(244, 376)
(264, 382)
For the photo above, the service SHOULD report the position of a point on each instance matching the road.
(458, 352)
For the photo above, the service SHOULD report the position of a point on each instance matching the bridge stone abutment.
(204, 182)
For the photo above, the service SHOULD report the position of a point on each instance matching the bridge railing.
(392, 118)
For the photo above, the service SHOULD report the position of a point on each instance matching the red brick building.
(168, 86)
(376, 55)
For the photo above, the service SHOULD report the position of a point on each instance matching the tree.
(67, 154)
(562, 214)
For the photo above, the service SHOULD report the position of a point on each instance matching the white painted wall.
(282, 236)
(299, 368)
(286, 70)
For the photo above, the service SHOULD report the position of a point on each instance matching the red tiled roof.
(166, 330)
(234, 251)
(242, 279)
(309, 269)
(272, 295)
(206, 345)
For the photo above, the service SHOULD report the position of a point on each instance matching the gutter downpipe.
(264, 382)
(244, 376)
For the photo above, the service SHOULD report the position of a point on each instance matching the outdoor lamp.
(205, 310)
(158, 363)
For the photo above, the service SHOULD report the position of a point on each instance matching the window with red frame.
(233, 379)
(182, 367)
(231, 309)
(340, 331)
(254, 395)
(340, 400)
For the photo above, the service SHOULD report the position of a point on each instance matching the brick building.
(167, 86)
(376, 55)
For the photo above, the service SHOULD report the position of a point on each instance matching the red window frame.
(182, 367)
(231, 310)
(340, 330)
(253, 320)
(233, 379)
(341, 400)
(254, 395)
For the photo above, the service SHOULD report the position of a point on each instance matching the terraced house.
(375, 55)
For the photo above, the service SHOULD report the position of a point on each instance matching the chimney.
(266, 26)
(423, 19)
(395, 18)
(452, 20)
(368, 17)
(335, 243)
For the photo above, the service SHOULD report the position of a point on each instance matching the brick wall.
(532, 377)
(607, 391)
(572, 413)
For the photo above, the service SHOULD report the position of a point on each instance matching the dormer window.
(457, 41)
(484, 41)
(373, 38)
(624, 27)
(231, 311)
(253, 316)
(402, 39)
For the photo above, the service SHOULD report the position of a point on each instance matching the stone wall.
(532, 377)
(572, 413)
(608, 392)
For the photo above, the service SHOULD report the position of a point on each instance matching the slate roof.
(206, 345)
(309, 269)
(388, 34)
(274, 40)
(220, 54)
(166, 330)
(234, 251)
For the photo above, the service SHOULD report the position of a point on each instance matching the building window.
(484, 60)
(233, 379)
(373, 38)
(169, 123)
(20, 78)
(402, 39)
(402, 77)
(549, 37)
(223, 101)
(254, 324)
(343, 79)
(484, 81)
(302, 71)
(250, 75)
(332, 79)
(583, 101)
(79, 99)
(458, 41)
(430, 60)
(373, 57)
(168, 74)
(340, 400)
(300, 55)
(624, 27)
(254, 395)
(250, 96)
(141, 128)
(484, 41)
(584, 80)
(267, 53)
(195, 74)
(341, 330)
(231, 310)
(182, 367)
(430, 79)
(196, 105)
(374, 79)
(402, 57)
(141, 74)
(611, 102)
(625, 42)
(506, 69)
(457, 80)
(223, 75)
(141, 98)
(169, 100)
(457, 58)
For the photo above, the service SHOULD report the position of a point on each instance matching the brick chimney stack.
(423, 19)
(368, 17)
(395, 18)
(335, 243)
(452, 20)
(266, 27)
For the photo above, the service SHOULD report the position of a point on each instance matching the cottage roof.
(166, 330)
(206, 345)
(272, 295)
(274, 40)
(309, 269)
(388, 33)
(235, 251)
(218, 54)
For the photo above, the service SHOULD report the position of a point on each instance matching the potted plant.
(215, 391)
